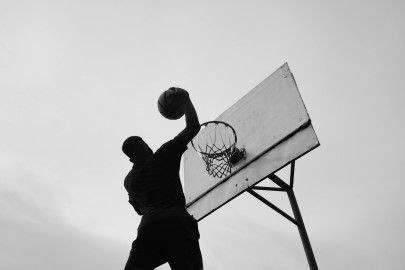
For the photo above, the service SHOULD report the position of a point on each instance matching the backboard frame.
(283, 132)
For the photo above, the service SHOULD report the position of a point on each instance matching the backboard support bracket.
(297, 220)
(238, 156)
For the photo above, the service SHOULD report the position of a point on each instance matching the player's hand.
(184, 94)
(179, 90)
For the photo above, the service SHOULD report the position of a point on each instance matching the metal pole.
(292, 170)
(303, 232)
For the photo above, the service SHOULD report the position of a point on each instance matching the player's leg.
(147, 252)
(182, 247)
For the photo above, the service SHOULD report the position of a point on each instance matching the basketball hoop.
(216, 143)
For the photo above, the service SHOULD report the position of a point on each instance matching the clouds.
(34, 237)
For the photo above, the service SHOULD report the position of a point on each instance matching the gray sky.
(78, 77)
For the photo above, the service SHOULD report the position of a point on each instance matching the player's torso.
(155, 184)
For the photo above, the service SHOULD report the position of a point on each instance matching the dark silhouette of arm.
(192, 123)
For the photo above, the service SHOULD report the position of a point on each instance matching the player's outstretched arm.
(192, 122)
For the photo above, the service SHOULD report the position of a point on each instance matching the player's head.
(136, 149)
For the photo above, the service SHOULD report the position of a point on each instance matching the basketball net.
(216, 144)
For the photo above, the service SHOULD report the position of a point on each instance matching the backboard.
(272, 125)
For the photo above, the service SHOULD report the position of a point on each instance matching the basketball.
(170, 103)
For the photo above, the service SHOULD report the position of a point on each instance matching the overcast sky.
(78, 77)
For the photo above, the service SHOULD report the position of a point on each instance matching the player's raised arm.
(192, 122)
(173, 104)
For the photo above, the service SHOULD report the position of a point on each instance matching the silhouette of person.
(167, 232)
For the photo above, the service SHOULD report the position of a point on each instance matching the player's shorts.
(174, 240)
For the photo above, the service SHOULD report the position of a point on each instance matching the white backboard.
(272, 124)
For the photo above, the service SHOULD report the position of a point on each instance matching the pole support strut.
(296, 211)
